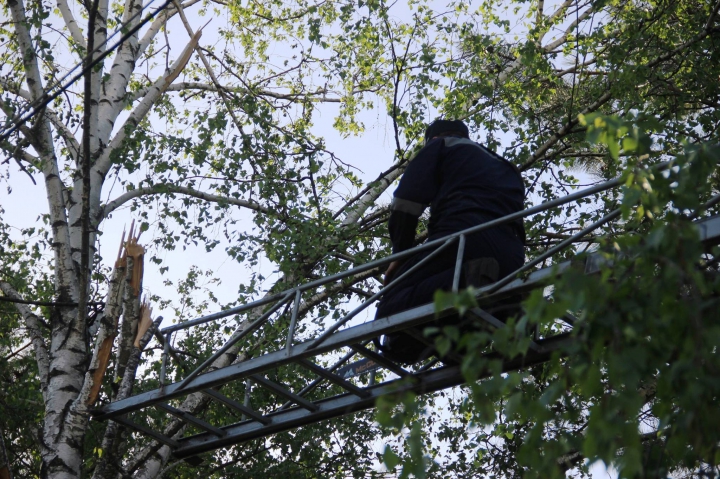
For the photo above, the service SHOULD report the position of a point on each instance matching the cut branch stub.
(137, 253)
(144, 324)
(103, 358)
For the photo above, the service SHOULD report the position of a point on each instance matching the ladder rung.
(487, 317)
(380, 360)
(428, 365)
(316, 382)
(284, 392)
(146, 430)
(332, 377)
(236, 405)
(192, 419)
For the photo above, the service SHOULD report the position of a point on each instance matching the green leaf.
(390, 459)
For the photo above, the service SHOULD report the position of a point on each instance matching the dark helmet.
(446, 127)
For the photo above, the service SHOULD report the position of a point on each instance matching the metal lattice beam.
(423, 383)
(352, 395)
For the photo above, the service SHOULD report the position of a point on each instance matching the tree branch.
(540, 152)
(560, 10)
(104, 162)
(369, 198)
(176, 189)
(62, 128)
(71, 24)
(386, 178)
(20, 155)
(713, 14)
(66, 133)
(113, 90)
(43, 142)
(15, 89)
(33, 78)
(319, 96)
(568, 30)
(32, 322)
(573, 69)
(157, 25)
(539, 14)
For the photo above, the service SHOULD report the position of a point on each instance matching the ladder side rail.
(346, 337)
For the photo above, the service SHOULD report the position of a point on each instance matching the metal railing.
(335, 395)
(439, 245)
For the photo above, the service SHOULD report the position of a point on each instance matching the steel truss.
(348, 394)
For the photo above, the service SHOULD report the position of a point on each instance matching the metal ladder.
(327, 394)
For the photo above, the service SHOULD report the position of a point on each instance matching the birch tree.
(210, 132)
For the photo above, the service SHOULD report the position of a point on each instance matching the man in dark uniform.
(465, 185)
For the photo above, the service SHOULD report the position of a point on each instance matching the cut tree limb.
(106, 336)
(108, 324)
(144, 324)
(131, 302)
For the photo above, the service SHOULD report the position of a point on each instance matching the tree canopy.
(217, 135)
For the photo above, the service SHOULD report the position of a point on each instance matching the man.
(465, 185)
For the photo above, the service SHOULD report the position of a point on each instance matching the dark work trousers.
(419, 288)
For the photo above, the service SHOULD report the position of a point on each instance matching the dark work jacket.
(465, 185)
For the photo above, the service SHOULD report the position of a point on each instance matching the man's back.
(464, 183)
